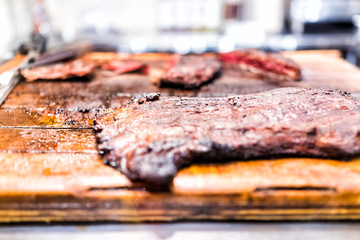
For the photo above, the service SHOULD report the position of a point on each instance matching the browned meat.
(152, 140)
(121, 66)
(75, 68)
(189, 71)
(268, 66)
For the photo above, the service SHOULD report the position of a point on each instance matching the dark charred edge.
(142, 70)
(340, 158)
(151, 185)
(83, 78)
(154, 184)
(146, 97)
(126, 188)
(20, 76)
(348, 94)
(187, 86)
(305, 188)
(139, 187)
(97, 128)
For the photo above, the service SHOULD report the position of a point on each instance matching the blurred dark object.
(234, 11)
(319, 15)
(324, 24)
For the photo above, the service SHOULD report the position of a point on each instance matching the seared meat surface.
(122, 66)
(189, 71)
(273, 67)
(150, 140)
(75, 68)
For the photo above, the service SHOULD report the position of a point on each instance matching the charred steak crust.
(273, 67)
(151, 141)
(189, 71)
(65, 70)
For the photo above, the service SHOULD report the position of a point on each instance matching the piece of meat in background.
(273, 67)
(124, 66)
(63, 70)
(186, 71)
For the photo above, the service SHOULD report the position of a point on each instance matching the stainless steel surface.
(191, 230)
(324, 10)
(310, 11)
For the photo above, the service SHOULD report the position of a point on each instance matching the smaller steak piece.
(151, 139)
(268, 66)
(121, 66)
(75, 68)
(189, 71)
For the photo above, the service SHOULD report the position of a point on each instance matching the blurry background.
(186, 25)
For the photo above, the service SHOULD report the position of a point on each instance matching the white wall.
(269, 14)
(15, 24)
(131, 17)
(5, 26)
(141, 16)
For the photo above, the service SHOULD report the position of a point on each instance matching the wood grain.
(45, 118)
(264, 176)
(65, 101)
(50, 168)
(55, 173)
(12, 63)
(77, 187)
(47, 140)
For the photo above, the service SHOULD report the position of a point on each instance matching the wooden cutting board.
(50, 169)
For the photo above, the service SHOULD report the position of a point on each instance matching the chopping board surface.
(51, 169)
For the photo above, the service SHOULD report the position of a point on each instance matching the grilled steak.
(268, 66)
(121, 66)
(150, 140)
(75, 68)
(188, 71)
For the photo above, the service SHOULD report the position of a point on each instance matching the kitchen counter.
(188, 230)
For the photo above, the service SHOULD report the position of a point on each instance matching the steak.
(151, 139)
(64, 70)
(188, 71)
(121, 66)
(273, 67)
